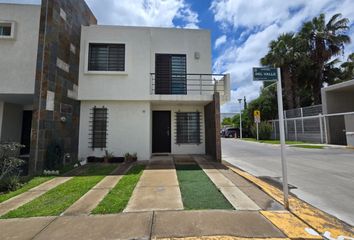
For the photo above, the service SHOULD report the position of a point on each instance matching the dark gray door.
(161, 132)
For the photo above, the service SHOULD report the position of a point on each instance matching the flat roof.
(344, 86)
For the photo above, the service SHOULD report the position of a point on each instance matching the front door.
(161, 132)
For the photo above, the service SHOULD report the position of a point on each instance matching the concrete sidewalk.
(142, 225)
(158, 188)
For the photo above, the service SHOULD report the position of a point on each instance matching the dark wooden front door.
(161, 132)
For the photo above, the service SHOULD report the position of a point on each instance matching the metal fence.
(310, 125)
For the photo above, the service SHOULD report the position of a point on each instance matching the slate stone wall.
(212, 128)
(57, 79)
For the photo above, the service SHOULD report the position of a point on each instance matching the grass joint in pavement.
(198, 191)
(55, 201)
(118, 198)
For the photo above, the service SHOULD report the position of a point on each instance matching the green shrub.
(11, 183)
(264, 130)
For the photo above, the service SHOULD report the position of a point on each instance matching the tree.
(227, 122)
(348, 68)
(324, 41)
(283, 54)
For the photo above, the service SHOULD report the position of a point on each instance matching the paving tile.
(213, 223)
(22, 229)
(263, 200)
(155, 198)
(30, 195)
(290, 225)
(119, 226)
(156, 178)
(87, 203)
(236, 179)
(238, 199)
(219, 180)
(108, 182)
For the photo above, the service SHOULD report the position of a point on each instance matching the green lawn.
(117, 199)
(309, 146)
(56, 200)
(198, 191)
(272, 141)
(34, 182)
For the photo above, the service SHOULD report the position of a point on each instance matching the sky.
(241, 30)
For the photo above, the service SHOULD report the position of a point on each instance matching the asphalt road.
(322, 177)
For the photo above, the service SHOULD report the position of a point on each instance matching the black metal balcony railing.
(187, 84)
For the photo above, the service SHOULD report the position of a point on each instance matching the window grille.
(99, 128)
(106, 57)
(188, 128)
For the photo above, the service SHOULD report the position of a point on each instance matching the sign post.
(274, 74)
(257, 120)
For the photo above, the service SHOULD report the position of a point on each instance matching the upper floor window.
(106, 57)
(6, 30)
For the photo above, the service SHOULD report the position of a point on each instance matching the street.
(322, 177)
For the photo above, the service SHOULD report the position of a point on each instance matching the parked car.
(230, 132)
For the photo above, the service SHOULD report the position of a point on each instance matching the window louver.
(106, 57)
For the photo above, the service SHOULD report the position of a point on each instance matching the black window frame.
(7, 26)
(106, 57)
(188, 128)
(99, 124)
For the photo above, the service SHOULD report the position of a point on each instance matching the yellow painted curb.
(221, 238)
(325, 224)
(290, 225)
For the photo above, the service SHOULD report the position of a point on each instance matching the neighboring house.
(149, 91)
(40, 49)
(19, 31)
(338, 99)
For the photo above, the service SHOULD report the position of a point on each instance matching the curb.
(327, 225)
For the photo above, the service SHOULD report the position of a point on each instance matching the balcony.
(191, 84)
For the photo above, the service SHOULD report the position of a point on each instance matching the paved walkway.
(238, 199)
(30, 195)
(142, 225)
(158, 188)
(93, 197)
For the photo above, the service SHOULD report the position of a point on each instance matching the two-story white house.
(148, 91)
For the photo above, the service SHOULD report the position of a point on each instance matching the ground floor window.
(99, 128)
(188, 128)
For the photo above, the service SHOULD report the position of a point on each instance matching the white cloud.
(144, 13)
(262, 21)
(220, 41)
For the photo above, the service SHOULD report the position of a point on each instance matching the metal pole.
(295, 128)
(325, 128)
(240, 101)
(282, 141)
(257, 132)
(321, 126)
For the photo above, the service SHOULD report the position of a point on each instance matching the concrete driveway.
(322, 177)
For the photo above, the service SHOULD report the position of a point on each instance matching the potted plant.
(108, 156)
(135, 157)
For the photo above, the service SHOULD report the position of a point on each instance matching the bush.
(9, 166)
(264, 130)
(11, 183)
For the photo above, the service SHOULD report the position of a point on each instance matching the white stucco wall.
(184, 148)
(142, 44)
(11, 123)
(128, 128)
(19, 55)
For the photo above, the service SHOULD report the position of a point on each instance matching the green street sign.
(265, 74)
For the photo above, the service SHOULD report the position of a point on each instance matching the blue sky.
(241, 30)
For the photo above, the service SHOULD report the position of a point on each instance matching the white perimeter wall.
(19, 56)
(130, 128)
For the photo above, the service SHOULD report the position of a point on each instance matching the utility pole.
(240, 101)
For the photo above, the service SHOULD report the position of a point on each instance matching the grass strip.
(308, 146)
(34, 182)
(56, 200)
(117, 199)
(272, 141)
(198, 191)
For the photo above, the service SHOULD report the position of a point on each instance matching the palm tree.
(282, 54)
(348, 68)
(324, 41)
